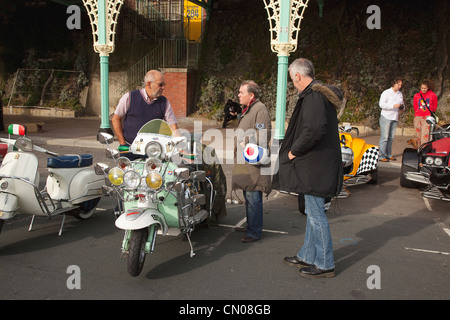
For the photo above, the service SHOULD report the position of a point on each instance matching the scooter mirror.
(112, 153)
(180, 142)
(431, 120)
(182, 173)
(24, 144)
(101, 168)
(177, 186)
(199, 176)
(105, 138)
(174, 185)
(107, 191)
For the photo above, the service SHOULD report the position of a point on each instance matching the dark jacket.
(313, 137)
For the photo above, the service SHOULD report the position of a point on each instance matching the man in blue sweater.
(137, 107)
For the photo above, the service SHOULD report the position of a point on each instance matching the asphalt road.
(389, 243)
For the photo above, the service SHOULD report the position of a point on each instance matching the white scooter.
(72, 185)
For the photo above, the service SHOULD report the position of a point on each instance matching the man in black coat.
(310, 163)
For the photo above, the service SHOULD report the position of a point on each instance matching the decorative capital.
(283, 49)
(104, 49)
(107, 31)
(284, 18)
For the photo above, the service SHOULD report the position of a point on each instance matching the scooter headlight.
(132, 179)
(153, 149)
(154, 180)
(347, 156)
(429, 160)
(115, 176)
(438, 161)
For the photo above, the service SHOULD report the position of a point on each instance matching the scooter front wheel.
(136, 251)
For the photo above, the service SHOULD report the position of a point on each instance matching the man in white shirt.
(391, 104)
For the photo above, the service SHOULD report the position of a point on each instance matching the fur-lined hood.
(332, 93)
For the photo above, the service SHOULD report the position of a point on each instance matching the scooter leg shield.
(134, 219)
(8, 205)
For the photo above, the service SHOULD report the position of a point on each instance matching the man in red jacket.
(424, 101)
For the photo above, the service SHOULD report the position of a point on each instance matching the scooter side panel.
(359, 148)
(169, 208)
(85, 185)
(21, 164)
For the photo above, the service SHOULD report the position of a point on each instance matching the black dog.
(230, 107)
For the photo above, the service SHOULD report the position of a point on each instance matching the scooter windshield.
(157, 126)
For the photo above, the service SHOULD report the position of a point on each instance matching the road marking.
(429, 251)
(427, 203)
(240, 223)
(447, 231)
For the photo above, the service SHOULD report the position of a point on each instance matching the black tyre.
(86, 209)
(1, 224)
(374, 175)
(409, 164)
(136, 251)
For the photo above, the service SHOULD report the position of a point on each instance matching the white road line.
(447, 231)
(429, 251)
(240, 223)
(427, 203)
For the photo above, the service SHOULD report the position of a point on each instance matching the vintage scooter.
(72, 186)
(159, 190)
(359, 159)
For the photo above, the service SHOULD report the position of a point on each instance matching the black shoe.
(248, 239)
(240, 229)
(313, 272)
(295, 262)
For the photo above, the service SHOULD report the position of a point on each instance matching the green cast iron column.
(104, 69)
(282, 70)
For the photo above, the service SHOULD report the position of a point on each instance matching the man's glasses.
(162, 84)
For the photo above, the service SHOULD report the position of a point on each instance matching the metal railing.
(173, 49)
(169, 53)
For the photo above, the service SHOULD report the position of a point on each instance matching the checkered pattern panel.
(369, 160)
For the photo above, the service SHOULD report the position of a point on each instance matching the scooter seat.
(70, 161)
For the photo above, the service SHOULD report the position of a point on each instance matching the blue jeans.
(318, 246)
(387, 132)
(254, 212)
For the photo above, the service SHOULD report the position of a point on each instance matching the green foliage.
(345, 53)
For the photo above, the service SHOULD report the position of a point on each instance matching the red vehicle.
(428, 167)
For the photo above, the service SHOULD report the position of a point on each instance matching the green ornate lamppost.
(103, 15)
(284, 18)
